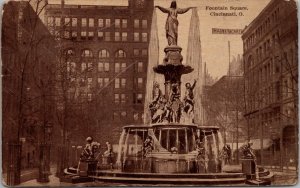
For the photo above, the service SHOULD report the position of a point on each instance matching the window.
(124, 23)
(100, 35)
(117, 98)
(107, 36)
(140, 67)
(103, 67)
(106, 67)
(74, 22)
(124, 36)
(123, 83)
(139, 98)
(144, 52)
(91, 22)
(87, 53)
(68, 66)
(117, 23)
(57, 21)
(106, 81)
(100, 82)
(136, 37)
(67, 34)
(144, 24)
(100, 22)
(123, 114)
(100, 67)
(123, 66)
(82, 82)
(89, 97)
(90, 66)
(117, 67)
(140, 83)
(74, 35)
(83, 66)
(70, 52)
(90, 80)
(120, 54)
(136, 23)
(107, 22)
(116, 116)
(117, 36)
(136, 116)
(136, 52)
(67, 21)
(83, 35)
(103, 54)
(91, 35)
(123, 98)
(83, 22)
(73, 66)
(50, 21)
(117, 83)
(144, 37)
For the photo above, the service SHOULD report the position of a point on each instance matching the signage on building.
(227, 31)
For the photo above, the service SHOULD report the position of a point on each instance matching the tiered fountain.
(172, 149)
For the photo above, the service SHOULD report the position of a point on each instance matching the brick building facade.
(106, 55)
(271, 81)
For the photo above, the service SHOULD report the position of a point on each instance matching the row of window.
(101, 23)
(262, 29)
(105, 53)
(119, 115)
(104, 67)
(105, 36)
(119, 98)
(119, 83)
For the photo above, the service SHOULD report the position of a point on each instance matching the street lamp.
(44, 167)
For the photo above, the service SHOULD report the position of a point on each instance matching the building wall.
(27, 59)
(271, 70)
(116, 40)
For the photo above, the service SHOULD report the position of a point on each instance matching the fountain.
(172, 148)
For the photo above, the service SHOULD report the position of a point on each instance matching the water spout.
(220, 140)
(126, 147)
(206, 152)
(215, 150)
(120, 148)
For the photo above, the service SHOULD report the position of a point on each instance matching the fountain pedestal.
(172, 68)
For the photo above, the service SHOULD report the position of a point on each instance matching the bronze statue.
(172, 22)
(189, 97)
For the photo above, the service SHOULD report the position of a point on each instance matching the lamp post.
(44, 154)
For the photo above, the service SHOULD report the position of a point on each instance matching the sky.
(214, 46)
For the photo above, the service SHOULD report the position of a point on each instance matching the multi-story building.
(28, 55)
(106, 55)
(271, 77)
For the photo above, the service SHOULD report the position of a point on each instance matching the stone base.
(248, 166)
(87, 167)
(173, 55)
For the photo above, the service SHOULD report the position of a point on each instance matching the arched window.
(87, 53)
(120, 54)
(103, 54)
(69, 52)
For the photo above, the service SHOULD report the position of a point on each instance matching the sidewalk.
(53, 181)
(26, 175)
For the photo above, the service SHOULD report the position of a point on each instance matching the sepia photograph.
(109, 93)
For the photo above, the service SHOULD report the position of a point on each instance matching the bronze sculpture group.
(163, 110)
